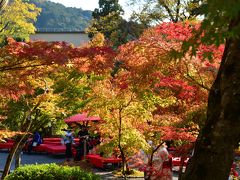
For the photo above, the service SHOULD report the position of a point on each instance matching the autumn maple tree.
(21, 79)
(177, 88)
(17, 20)
(17, 25)
(148, 86)
(24, 66)
(121, 111)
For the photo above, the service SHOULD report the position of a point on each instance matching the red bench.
(60, 149)
(101, 162)
(52, 139)
(176, 161)
(54, 149)
(53, 143)
(56, 139)
(50, 145)
(7, 145)
(40, 148)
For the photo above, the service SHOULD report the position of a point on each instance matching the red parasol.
(78, 118)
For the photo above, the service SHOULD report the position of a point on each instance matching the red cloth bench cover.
(6, 145)
(52, 143)
(52, 149)
(57, 139)
(100, 162)
(40, 148)
(176, 161)
(52, 139)
(61, 149)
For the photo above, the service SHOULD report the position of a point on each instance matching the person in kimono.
(159, 169)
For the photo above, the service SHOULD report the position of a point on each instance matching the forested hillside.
(55, 15)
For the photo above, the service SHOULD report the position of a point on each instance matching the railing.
(59, 30)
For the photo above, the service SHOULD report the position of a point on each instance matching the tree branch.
(4, 27)
(162, 2)
(2, 69)
(177, 11)
(195, 81)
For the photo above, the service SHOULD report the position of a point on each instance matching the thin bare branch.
(195, 81)
(162, 2)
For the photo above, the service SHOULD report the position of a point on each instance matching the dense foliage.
(175, 87)
(108, 20)
(156, 11)
(19, 24)
(50, 172)
(27, 68)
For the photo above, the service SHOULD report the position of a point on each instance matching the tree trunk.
(123, 160)
(119, 144)
(19, 151)
(18, 158)
(25, 128)
(10, 157)
(213, 154)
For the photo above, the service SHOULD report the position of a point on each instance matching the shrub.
(50, 172)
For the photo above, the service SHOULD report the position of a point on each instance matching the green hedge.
(50, 172)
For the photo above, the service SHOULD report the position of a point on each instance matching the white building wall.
(75, 38)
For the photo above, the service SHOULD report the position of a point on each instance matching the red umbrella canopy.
(78, 118)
